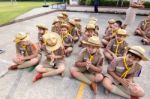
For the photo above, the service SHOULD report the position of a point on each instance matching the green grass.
(9, 12)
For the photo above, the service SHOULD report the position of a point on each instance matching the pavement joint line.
(15, 85)
(81, 90)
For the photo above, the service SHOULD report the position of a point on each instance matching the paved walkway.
(105, 9)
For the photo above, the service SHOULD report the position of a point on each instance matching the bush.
(82, 2)
(111, 3)
(88, 2)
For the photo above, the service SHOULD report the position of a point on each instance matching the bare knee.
(99, 77)
(107, 83)
(73, 71)
(105, 42)
(139, 92)
(34, 61)
(61, 68)
(108, 55)
(39, 68)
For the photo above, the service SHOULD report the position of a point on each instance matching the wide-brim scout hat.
(111, 21)
(42, 26)
(93, 41)
(65, 25)
(92, 22)
(90, 26)
(122, 32)
(72, 22)
(64, 14)
(56, 21)
(93, 19)
(52, 41)
(77, 19)
(60, 16)
(21, 36)
(139, 51)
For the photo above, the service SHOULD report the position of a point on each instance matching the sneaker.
(94, 87)
(134, 97)
(13, 67)
(37, 77)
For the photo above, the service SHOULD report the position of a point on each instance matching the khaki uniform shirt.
(108, 33)
(117, 65)
(68, 40)
(58, 52)
(112, 45)
(55, 29)
(26, 50)
(84, 56)
(148, 32)
(144, 25)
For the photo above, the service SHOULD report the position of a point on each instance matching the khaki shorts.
(46, 64)
(115, 82)
(112, 79)
(85, 72)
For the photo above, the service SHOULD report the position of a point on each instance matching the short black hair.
(134, 55)
(119, 23)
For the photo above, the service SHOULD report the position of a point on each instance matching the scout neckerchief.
(64, 36)
(91, 57)
(114, 32)
(124, 75)
(117, 47)
(25, 52)
(145, 23)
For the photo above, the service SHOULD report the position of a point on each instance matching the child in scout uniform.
(88, 67)
(117, 46)
(61, 18)
(67, 39)
(73, 31)
(56, 26)
(121, 73)
(93, 20)
(42, 29)
(54, 63)
(143, 26)
(111, 32)
(146, 37)
(89, 32)
(110, 23)
(65, 16)
(78, 25)
(27, 53)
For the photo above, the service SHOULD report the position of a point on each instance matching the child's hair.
(119, 23)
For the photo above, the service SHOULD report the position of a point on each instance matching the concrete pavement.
(18, 84)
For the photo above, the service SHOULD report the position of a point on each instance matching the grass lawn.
(8, 12)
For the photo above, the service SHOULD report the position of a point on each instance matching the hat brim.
(90, 28)
(111, 22)
(123, 34)
(55, 22)
(144, 58)
(92, 44)
(42, 27)
(58, 44)
(65, 26)
(19, 40)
